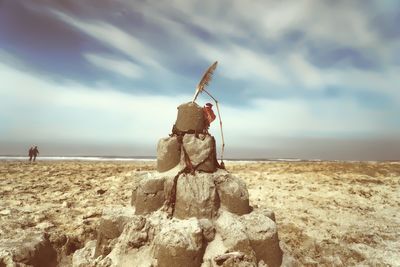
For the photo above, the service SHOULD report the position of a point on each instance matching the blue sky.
(307, 79)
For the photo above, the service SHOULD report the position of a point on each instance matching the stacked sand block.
(200, 149)
(199, 195)
(212, 218)
(188, 137)
(209, 224)
(190, 118)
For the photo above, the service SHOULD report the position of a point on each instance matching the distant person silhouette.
(33, 152)
(30, 153)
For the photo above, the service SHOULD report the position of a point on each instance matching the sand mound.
(204, 229)
(191, 213)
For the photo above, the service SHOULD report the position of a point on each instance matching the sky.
(295, 78)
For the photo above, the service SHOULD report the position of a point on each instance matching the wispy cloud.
(115, 65)
(241, 63)
(73, 112)
(112, 37)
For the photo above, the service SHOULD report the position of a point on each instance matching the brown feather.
(205, 80)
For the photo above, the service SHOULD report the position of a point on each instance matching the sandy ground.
(328, 213)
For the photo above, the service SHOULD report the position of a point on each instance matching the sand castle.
(191, 212)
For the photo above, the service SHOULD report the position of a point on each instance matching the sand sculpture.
(191, 212)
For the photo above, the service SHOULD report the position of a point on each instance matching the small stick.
(220, 126)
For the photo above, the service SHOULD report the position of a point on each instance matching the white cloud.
(340, 22)
(115, 65)
(334, 22)
(305, 73)
(113, 37)
(297, 118)
(45, 110)
(344, 23)
(35, 109)
(273, 19)
(241, 63)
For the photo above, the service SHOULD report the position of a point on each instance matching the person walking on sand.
(30, 153)
(35, 152)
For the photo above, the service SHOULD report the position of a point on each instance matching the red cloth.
(208, 114)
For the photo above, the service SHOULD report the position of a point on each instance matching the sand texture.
(327, 213)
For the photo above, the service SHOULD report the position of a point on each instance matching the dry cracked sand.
(328, 213)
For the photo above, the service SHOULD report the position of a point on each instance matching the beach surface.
(327, 213)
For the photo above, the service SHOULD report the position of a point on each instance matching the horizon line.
(288, 159)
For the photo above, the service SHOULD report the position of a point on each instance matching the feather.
(205, 80)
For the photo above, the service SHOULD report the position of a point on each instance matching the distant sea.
(149, 158)
(83, 158)
(133, 158)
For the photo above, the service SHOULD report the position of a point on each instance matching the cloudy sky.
(296, 79)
